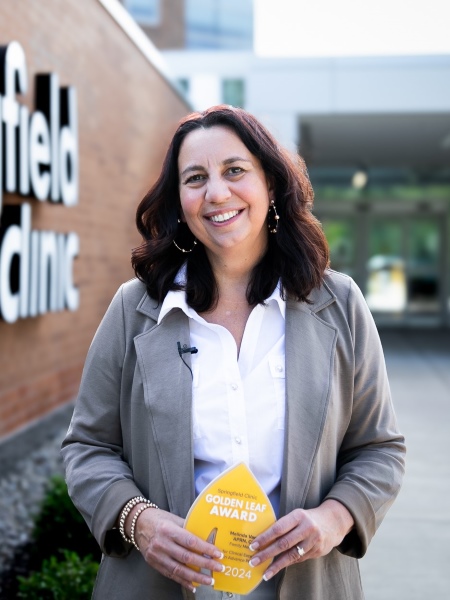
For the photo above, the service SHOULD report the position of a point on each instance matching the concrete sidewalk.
(409, 558)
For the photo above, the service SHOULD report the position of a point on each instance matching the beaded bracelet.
(126, 511)
(134, 521)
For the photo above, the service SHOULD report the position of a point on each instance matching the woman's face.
(224, 193)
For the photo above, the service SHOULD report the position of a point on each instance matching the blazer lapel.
(310, 346)
(168, 383)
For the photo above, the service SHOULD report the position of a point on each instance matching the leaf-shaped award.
(230, 512)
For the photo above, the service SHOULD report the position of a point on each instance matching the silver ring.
(300, 551)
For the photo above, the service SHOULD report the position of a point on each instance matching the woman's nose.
(217, 190)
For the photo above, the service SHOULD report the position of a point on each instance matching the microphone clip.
(185, 349)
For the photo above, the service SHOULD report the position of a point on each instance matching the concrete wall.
(280, 90)
(127, 111)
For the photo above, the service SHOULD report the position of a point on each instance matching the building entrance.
(397, 255)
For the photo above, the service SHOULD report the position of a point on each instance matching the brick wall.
(126, 115)
(170, 31)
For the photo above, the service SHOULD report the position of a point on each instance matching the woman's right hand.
(173, 551)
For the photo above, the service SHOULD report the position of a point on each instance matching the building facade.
(163, 21)
(87, 112)
(195, 24)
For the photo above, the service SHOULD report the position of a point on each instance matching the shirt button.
(234, 386)
(229, 595)
(279, 368)
(238, 440)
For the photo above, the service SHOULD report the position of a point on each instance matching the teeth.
(224, 216)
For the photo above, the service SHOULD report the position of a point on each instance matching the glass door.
(403, 269)
(423, 266)
(396, 257)
(340, 233)
(386, 287)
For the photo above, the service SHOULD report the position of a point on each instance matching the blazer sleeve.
(99, 481)
(370, 463)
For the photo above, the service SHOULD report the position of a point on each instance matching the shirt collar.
(275, 296)
(177, 299)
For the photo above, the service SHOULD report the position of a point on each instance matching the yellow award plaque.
(230, 512)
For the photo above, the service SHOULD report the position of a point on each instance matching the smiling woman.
(219, 161)
(224, 196)
(235, 343)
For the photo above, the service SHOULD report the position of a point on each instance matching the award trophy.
(230, 512)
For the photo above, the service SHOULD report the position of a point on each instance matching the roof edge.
(141, 40)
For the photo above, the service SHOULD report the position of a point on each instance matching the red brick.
(126, 114)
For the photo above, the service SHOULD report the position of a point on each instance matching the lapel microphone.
(185, 349)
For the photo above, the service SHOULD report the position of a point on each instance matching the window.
(144, 11)
(183, 86)
(233, 92)
(219, 24)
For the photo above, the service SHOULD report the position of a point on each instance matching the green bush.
(63, 554)
(69, 579)
(60, 526)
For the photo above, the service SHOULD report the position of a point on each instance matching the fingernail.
(212, 581)
(254, 562)
(223, 568)
(267, 576)
(254, 547)
(218, 554)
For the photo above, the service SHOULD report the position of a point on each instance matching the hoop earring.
(273, 228)
(182, 249)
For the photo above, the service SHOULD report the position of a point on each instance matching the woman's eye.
(235, 170)
(194, 178)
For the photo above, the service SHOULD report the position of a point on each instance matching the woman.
(235, 342)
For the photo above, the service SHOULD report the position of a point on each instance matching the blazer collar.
(319, 299)
(149, 307)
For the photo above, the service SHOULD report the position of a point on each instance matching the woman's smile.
(224, 218)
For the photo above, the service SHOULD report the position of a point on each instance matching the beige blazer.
(131, 433)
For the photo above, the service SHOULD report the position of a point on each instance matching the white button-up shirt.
(238, 402)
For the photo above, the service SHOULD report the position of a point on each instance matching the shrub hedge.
(64, 555)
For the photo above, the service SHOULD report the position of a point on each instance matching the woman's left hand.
(302, 535)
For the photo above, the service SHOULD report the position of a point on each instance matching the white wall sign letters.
(38, 158)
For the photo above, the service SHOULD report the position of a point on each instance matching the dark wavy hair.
(297, 254)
